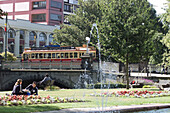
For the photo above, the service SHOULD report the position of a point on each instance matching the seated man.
(45, 81)
(32, 89)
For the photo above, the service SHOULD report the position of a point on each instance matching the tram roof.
(52, 49)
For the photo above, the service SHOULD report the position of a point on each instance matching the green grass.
(83, 94)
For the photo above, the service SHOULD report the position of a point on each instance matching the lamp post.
(88, 40)
(6, 31)
(1, 46)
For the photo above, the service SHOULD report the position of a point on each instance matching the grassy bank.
(85, 95)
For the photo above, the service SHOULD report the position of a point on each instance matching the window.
(66, 19)
(40, 55)
(51, 38)
(55, 17)
(32, 55)
(75, 55)
(75, 7)
(42, 37)
(38, 17)
(53, 55)
(22, 34)
(25, 56)
(57, 55)
(36, 55)
(56, 4)
(49, 55)
(39, 5)
(66, 55)
(67, 7)
(62, 55)
(11, 33)
(32, 36)
(71, 55)
(94, 55)
(66, 0)
(79, 55)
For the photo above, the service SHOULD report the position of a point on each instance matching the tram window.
(25, 56)
(82, 54)
(29, 56)
(49, 55)
(66, 55)
(62, 55)
(57, 55)
(79, 54)
(94, 54)
(45, 55)
(75, 55)
(32, 55)
(36, 55)
(53, 55)
(40, 55)
(71, 55)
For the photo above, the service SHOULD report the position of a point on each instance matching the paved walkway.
(114, 109)
(150, 75)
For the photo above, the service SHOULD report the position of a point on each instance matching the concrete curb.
(114, 109)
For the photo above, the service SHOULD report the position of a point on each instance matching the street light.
(88, 40)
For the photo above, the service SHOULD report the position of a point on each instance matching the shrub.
(148, 82)
(10, 56)
(52, 88)
(107, 85)
(148, 86)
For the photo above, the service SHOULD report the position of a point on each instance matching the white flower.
(23, 101)
(126, 95)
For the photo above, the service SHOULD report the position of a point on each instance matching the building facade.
(25, 18)
(69, 7)
(24, 34)
(49, 12)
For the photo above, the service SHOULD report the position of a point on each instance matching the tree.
(10, 56)
(126, 28)
(166, 38)
(2, 13)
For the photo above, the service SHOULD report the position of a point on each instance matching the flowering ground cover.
(83, 94)
(135, 94)
(29, 100)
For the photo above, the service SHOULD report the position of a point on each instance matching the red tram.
(56, 53)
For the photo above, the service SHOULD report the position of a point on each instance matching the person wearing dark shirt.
(32, 89)
(17, 89)
(45, 81)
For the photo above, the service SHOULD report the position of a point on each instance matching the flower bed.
(135, 94)
(29, 100)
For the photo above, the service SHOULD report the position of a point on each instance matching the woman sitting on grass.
(17, 89)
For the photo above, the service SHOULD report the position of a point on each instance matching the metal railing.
(42, 65)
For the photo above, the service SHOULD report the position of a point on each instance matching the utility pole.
(6, 32)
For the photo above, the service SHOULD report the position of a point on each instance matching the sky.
(158, 4)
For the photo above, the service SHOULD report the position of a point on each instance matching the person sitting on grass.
(45, 81)
(32, 89)
(17, 89)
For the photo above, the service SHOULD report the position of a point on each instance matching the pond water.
(166, 110)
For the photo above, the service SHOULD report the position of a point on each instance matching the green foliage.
(166, 38)
(2, 13)
(148, 86)
(111, 85)
(125, 26)
(10, 56)
(52, 88)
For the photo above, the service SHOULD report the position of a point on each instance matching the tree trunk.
(127, 75)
